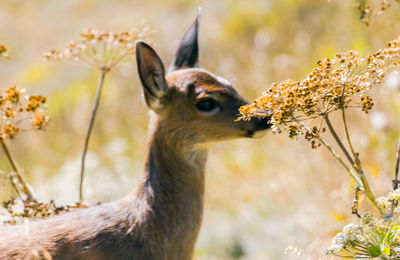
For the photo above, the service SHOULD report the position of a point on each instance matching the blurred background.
(270, 198)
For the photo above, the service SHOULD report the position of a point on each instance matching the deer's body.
(161, 218)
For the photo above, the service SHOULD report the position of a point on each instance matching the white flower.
(339, 239)
(349, 228)
(383, 202)
(333, 249)
(394, 195)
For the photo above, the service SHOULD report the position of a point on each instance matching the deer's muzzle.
(256, 127)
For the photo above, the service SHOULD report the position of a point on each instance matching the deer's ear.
(152, 75)
(187, 55)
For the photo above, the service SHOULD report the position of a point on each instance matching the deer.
(190, 109)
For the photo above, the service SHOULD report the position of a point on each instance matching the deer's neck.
(172, 189)
(174, 172)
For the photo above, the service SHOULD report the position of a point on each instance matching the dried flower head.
(370, 8)
(40, 121)
(32, 209)
(17, 109)
(14, 94)
(34, 102)
(4, 51)
(100, 48)
(9, 131)
(335, 84)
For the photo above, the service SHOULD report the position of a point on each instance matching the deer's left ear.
(187, 55)
(152, 75)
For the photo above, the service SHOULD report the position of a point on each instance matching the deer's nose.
(261, 123)
(255, 126)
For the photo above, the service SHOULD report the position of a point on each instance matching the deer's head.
(191, 100)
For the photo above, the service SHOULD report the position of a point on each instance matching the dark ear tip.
(141, 44)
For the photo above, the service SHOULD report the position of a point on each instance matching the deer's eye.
(207, 105)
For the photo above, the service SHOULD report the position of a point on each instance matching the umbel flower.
(335, 84)
(303, 108)
(102, 50)
(371, 238)
(99, 48)
(20, 112)
(370, 8)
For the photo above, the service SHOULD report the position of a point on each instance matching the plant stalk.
(346, 130)
(395, 181)
(17, 178)
(396, 171)
(334, 153)
(356, 165)
(91, 123)
(338, 141)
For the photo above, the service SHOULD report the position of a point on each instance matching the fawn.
(190, 109)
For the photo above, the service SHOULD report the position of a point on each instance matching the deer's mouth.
(256, 134)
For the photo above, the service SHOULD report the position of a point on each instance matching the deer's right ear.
(187, 55)
(152, 75)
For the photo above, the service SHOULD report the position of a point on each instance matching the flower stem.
(396, 171)
(17, 178)
(334, 153)
(338, 141)
(395, 181)
(356, 165)
(347, 131)
(368, 191)
(104, 70)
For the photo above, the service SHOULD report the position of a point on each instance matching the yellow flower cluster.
(39, 121)
(336, 83)
(14, 94)
(34, 103)
(99, 48)
(16, 107)
(9, 131)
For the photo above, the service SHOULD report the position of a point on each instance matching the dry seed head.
(370, 8)
(99, 48)
(366, 103)
(21, 112)
(40, 121)
(9, 131)
(9, 112)
(34, 102)
(336, 83)
(14, 94)
(35, 210)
